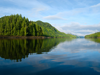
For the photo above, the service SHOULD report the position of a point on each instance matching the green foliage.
(16, 25)
(95, 35)
(16, 49)
(49, 30)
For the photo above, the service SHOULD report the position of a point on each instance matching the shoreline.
(93, 37)
(28, 37)
(24, 37)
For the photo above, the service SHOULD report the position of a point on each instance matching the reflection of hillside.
(97, 40)
(18, 49)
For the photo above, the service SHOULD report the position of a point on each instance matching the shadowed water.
(58, 56)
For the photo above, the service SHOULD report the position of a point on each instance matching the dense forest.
(95, 35)
(16, 25)
(49, 30)
(16, 49)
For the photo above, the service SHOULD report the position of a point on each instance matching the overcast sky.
(80, 17)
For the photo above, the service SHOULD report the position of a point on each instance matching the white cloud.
(78, 29)
(6, 11)
(97, 5)
(31, 8)
(90, 10)
(54, 18)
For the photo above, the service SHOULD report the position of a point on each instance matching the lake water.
(57, 56)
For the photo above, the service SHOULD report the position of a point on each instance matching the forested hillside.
(95, 35)
(16, 25)
(49, 30)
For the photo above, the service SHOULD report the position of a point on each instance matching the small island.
(16, 26)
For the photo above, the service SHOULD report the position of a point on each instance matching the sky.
(78, 17)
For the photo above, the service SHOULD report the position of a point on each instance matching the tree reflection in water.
(16, 49)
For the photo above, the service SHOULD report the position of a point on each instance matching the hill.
(95, 35)
(16, 25)
(49, 30)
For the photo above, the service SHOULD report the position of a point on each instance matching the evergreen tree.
(16, 25)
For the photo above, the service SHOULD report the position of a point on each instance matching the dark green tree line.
(16, 25)
(95, 35)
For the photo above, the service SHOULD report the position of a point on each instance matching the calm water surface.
(50, 56)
